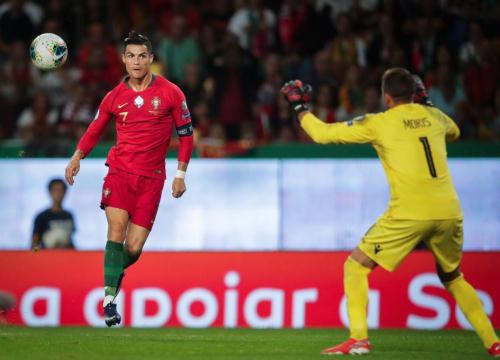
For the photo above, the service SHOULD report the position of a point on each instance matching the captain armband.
(185, 130)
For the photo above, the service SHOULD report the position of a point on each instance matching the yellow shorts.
(389, 241)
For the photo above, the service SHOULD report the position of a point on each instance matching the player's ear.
(151, 58)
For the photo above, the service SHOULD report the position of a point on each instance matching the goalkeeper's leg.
(356, 270)
(470, 304)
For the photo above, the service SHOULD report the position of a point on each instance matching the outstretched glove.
(297, 94)
(421, 96)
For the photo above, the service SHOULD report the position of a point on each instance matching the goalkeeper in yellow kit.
(410, 140)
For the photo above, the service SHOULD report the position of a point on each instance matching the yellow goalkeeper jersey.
(410, 140)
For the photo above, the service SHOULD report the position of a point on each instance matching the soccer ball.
(48, 51)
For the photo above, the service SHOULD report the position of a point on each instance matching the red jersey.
(144, 121)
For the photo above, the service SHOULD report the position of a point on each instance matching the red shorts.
(138, 195)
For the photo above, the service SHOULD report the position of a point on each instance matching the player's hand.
(178, 187)
(421, 96)
(72, 170)
(297, 95)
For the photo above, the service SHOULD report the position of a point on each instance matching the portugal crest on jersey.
(156, 102)
(138, 101)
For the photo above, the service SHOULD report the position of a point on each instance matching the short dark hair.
(134, 38)
(55, 181)
(398, 83)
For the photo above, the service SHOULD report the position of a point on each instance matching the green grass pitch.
(72, 343)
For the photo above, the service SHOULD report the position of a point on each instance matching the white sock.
(107, 299)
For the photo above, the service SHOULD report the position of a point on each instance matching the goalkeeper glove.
(297, 95)
(421, 95)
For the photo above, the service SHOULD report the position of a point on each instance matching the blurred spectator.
(76, 114)
(481, 76)
(60, 82)
(15, 25)
(291, 21)
(284, 125)
(469, 50)
(448, 94)
(266, 96)
(62, 13)
(323, 105)
(175, 9)
(216, 15)
(346, 48)
(36, 125)
(372, 100)
(192, 84)
(235, 86)
(322, 71)
(19, 78)
(98, 60)
(423, 47)
(201, 119)
(178, 49)
(54, 227)
(350, 95)
(383, 43)
(254, 25)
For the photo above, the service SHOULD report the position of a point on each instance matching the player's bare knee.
(133, 249)
(116, 231)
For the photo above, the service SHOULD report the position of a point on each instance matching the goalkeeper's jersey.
(410, 140)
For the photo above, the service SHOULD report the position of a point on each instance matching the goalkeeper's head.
(137, 55)
(398, 87)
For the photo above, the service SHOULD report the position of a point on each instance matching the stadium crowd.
(230, 57)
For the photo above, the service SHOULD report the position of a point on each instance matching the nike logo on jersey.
(122, 105)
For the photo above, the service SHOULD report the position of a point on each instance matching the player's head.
(57, 189)
(398, 87)
(137, 55)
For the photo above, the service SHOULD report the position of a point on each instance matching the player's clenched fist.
(178, 187)
(421, 95)
(297, 94)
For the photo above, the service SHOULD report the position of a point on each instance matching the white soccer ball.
(48, 51)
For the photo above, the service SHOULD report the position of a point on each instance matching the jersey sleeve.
(97, 127)
(183, 126)
(452, 130)
(356, 131)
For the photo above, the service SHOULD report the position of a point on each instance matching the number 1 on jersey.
(428, 155)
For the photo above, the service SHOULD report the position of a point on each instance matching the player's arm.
(354, 131)
(184, 128)
(422, 97)
(452, 130)
(89, 139)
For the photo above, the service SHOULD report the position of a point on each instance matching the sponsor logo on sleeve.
(185, 111)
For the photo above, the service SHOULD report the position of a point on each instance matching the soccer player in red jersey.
(144, 107)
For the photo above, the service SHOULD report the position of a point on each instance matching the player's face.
(137, 60)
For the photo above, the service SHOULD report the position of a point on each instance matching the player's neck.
(140, 84)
